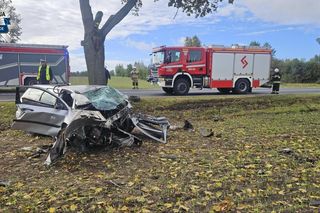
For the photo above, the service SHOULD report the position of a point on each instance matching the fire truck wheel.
(168, 90)
(224, 90)
(30, 81)
(242, 86)
(181, 87)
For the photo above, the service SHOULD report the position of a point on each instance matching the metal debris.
(5, 183)
(187, 126)
(206, 132)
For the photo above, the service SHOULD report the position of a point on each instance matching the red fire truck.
(236, 68)
(19, 63)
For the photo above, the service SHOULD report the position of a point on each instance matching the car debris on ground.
(206, 132)
(188, 126)
(5, 183)
(82, 116)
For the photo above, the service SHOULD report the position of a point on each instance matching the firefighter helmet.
(276, 70)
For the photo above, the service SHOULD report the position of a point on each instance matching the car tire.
(242, 86)
(224, 90)
(168, 90)
(181, 86)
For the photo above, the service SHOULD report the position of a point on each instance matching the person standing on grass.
(44, 73)
(107, 73)
(275, 78)
(134, 77)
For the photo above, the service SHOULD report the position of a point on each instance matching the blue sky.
(290, 26)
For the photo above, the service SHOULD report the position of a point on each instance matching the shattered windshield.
(158, 57)
(105, 98)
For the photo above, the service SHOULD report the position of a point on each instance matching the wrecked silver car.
(81, 116)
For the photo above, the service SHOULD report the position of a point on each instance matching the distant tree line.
(295, 70)
(120, 70)
(192, 41)
(299, 70)
(85, 73)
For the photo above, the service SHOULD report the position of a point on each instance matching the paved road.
(193, 92)
(197, 92)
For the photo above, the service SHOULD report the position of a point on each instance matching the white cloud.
(261, 32)
(287, 12)
(77, 62)
(140, 45)
(181, 41)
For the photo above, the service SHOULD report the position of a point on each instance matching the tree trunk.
(94, 38)
(94, 54)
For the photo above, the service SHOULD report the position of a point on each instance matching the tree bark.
(94, 38)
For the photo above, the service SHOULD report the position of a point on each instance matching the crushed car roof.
(77, 88)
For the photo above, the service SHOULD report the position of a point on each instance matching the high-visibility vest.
(47, 73)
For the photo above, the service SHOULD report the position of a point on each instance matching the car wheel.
(181, 87)
(168, 90)
(242, 86)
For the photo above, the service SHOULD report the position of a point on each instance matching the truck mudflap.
(153, 127)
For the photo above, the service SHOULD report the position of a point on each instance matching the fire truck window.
(173, 56)
(194, 56)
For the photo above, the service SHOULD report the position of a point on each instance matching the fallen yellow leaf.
(73, 207)
(52, 210)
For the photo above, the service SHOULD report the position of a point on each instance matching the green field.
(264, 156)
(116, 82)
(300, 85)
(125, 83)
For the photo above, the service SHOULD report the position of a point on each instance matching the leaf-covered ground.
(264, 156)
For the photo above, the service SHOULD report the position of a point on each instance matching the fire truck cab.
(235, 69)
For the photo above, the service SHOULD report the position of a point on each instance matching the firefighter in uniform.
(134, 77)
(276, 77)
(44, 73)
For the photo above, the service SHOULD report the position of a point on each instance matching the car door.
(39, 111)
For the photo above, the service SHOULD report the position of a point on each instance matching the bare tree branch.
(115, 19)
(97, 19)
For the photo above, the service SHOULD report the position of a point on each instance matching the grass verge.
(243, 167)
(116, 82)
